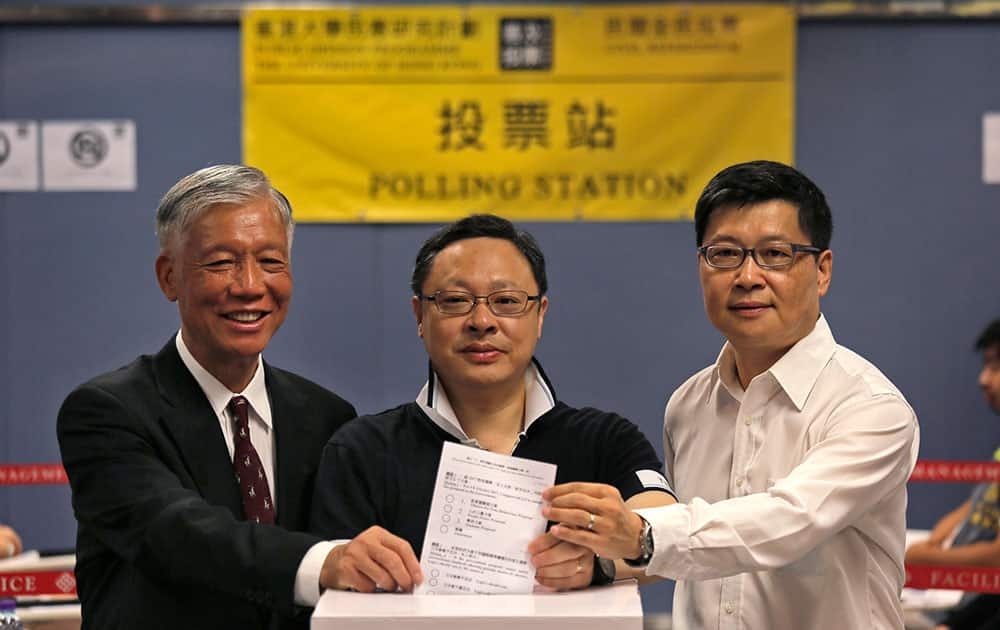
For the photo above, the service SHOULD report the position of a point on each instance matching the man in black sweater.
(479, 300)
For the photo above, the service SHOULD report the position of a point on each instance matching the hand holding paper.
(559, 564)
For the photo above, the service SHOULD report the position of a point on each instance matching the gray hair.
(192, 196)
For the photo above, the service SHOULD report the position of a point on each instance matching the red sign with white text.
(947, 470)
(24, 583)
(31, 474)
(972, 579)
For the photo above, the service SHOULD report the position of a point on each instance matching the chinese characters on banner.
(617, 112)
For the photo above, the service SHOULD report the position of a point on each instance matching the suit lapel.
(189, 419)
(291, 441)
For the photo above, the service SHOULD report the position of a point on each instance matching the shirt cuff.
(670, 525)
(307, 577)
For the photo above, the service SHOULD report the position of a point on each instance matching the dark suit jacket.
(161, 540)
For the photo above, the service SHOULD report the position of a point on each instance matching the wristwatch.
(604, 571)
(645, 546)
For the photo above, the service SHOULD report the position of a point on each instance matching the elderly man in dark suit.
(192, 469)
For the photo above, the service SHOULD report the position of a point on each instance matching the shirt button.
(747, 421)
(729, 608)
(739, 481)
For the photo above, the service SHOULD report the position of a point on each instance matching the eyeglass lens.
(499, 302)
(768, 255)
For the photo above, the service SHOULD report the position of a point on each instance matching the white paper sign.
(485, 510)
(18, 155)
(88, 155)
(991, 148)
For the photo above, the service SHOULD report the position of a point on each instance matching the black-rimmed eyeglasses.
(504, 303)
(767, 256)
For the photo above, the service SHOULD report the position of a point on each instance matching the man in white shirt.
(789, 455)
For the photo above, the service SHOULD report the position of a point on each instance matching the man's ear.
(824, 265)
(543, 306)
(418, 312)
(165, 276)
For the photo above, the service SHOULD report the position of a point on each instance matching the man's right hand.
(375, 559)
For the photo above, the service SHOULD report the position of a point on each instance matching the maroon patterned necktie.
(257, 504)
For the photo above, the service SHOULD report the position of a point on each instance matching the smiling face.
(763, 312)
(230, 275)
(477, 350)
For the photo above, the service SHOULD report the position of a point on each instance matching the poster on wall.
(18, 155)
(991, 148)
(535, 112)
(88, 155)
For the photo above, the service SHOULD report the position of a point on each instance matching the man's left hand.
(593, 515)
(561, 565)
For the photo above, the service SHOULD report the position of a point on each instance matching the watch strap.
(604, 571)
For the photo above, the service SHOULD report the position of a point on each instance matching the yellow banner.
(534, 112)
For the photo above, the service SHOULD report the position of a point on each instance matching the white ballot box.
(615, 607)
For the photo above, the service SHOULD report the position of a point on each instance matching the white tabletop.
(615, 607)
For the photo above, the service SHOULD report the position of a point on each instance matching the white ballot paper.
(486, 509)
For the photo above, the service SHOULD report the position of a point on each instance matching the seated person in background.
(10, 542)
(982, 612)
(479, 301)
(976, 522)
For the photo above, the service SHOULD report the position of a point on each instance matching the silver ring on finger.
(579, 566)
(590, 525)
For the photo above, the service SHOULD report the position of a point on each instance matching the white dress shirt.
(262, 437)
(792, 512)
(261, 434)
